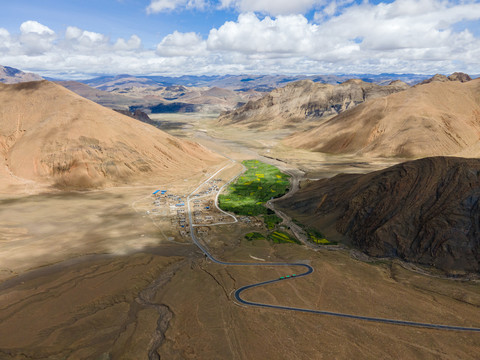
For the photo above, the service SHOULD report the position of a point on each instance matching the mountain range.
(436, 118)
(305, 103)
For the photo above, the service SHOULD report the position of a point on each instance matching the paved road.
(308, 270)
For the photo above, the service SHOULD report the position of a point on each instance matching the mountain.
(104, 98)
(9, 75)
(109, 83)
(51, 135)
(425, 211)
(262, 83)
(305, 101)
(153, 96)
(438, 118)
(457, 76)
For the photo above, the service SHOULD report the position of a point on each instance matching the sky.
(83, 38)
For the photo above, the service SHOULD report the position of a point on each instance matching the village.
(202, 206)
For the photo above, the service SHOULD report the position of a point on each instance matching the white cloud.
(182, 44)
(35, 38)
(29, 27)
(131, 44)
(5, 40)
(403, 36)
(276, 7)
(157, 6)
(283, 35)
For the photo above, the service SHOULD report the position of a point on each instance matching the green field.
(271, 221)
(281, 237)
(278, 237)
(254, 236)
(315, 236)
(254, 188)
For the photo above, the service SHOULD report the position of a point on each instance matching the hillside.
(296, 103)
(51, 135)
(9, 75)
(438, 118)
(425, 211)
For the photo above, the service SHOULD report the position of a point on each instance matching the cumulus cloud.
(181, 44)
(34, 27)
(35, 38)
(5, 41)
(133, 43)
(249, 34)
(157, 6)
(403, 36)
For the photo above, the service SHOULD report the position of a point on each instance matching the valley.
(240, 180)
(138, 269)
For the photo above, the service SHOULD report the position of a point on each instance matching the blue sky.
(73, 39)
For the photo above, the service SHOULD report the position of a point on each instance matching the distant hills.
(104, 98)
(51, 135)
(189, 93)
(131, 93)
(436, 118)
(9, 75)
(262, 83)
(305, 102)
(424, 211)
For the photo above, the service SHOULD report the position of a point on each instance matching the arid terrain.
(437, 118)
(52, 136)
(305, 103)
(104, 274)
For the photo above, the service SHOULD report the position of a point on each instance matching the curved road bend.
(308, 270)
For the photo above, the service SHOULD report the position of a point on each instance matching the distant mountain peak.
(9, 75)
(456, 76)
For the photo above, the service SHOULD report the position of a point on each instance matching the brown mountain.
(9, 75)
(104, 98)
(457, 76)
(159, 99)
(305, 100)
(52, 135)
(425, 211)
(439, 118)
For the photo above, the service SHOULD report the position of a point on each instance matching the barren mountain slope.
(9, 75)
(439, 118)
(286, 107)
(50, 134)
(426, 211)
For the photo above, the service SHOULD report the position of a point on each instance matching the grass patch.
(254, 236)
(314, 235)
(281, 237)
(271, 221)
(254, 188)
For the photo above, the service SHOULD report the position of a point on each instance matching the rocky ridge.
(305, 101)
(425, 211)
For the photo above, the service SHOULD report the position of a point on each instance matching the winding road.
(308, 271)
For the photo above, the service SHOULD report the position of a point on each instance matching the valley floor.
(94, 276)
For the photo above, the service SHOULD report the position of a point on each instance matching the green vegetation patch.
(254, 236)
(254, 188)
(281, 237)
(314, 235)
(271, 221)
